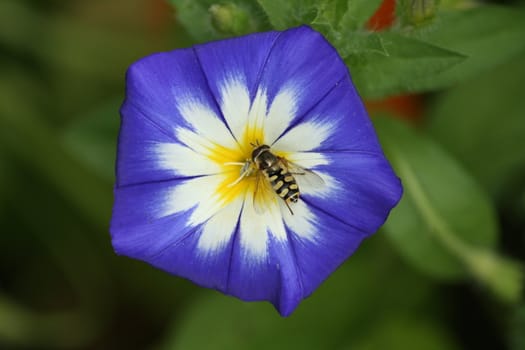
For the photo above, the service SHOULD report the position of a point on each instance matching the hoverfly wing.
(263, 195)
(304, 176)
(311, 179)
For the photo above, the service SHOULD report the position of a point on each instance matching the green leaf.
(70, 45)
(323, 15)
(439, 196)
(195, 17)
(92, 138)
(4, 180)
(358, 13)
(327, 19)
(417, 12)
(334, 18)
(389, 63)
(444, 225)
(285, 14)
(456, 45)
(207, 20)
(231, 19)
(487, 35)
(21, 327)
(336, 311)
(403, 332)
(482, 123)
(25, 134)
(516, 334)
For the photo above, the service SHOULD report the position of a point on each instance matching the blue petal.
(274, 278)
(302, 60)
(160, 88)
(343, 113)
(136, 161)
(320, 257)
(184, 259)
(366, 189)
(140, 227)
(299, 60)
(142, 230)
(242, 58)
(157, 84)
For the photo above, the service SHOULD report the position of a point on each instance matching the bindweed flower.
(190, 198)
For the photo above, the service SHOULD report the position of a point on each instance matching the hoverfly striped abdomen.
(277, 175)
(283, 183)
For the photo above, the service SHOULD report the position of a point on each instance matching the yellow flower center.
(234, 161)
(239, 155)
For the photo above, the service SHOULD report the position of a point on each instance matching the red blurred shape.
(384, 16)
(408, 107)
(159, 15)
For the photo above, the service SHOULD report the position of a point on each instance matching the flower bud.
(230, 19)
(417, 12)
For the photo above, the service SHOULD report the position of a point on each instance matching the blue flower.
(190, 122)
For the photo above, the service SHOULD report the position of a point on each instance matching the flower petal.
(233, 68)
(161, 223)
(337, 123)
(362, 189)
(293, 70)
(186, 258)
(174, 157)
(140, 208)
(305, 136)
(304, 68)
(148, 154)
(141, 225)
(226, 219)
(157, 84)
(274, 277)
(317, 258)
(207, 268)
(170, 90)
(167, 102)
(137, 159)
(184, 196)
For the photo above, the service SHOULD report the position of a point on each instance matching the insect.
(274, 175)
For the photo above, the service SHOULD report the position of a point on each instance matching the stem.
(503, 276)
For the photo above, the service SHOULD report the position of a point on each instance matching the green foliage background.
(445, 272)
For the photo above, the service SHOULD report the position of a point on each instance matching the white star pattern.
(199, 155)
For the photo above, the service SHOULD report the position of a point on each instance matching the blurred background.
(62, 67)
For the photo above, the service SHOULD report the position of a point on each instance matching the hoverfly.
(275, 175)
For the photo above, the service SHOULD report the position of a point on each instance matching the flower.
(190, 122)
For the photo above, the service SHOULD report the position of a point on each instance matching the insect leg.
(288, 206)
(245, 171)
